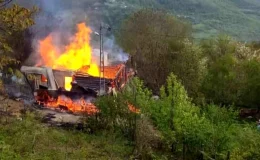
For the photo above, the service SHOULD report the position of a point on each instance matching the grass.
(30, 139)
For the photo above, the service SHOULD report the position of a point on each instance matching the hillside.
(238, 18)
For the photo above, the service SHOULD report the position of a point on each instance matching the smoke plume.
(60, 18)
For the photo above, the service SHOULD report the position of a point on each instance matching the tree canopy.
(159, 43)
(232, 72)
(13, 20)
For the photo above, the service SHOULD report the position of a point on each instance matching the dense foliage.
(181, 128)
(218, 70)
(14, 21)
(159, 44)
(233, 70)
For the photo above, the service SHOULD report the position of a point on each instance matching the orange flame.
(133, 109)
(75, 106)
(78, 105)
(76, 55)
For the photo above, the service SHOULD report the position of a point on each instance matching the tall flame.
(76, 55)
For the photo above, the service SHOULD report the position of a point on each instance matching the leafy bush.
(147, 139)
(190, 131)
(10, 71)
(251, 89)
(115, 114)
(232, 75)
(18, 74)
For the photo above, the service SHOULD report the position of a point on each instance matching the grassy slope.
(239, 18)
(29, 139)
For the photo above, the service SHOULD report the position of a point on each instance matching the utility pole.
(102, 58)
(101, 61)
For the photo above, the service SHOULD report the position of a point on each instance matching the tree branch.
(5, 3)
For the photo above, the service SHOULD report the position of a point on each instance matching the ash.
(17, 88)
(18, 91)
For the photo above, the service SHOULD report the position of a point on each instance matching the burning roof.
(87, 81)
(110, 72)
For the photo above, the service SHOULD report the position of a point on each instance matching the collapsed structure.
(74, 90)
(71, 77)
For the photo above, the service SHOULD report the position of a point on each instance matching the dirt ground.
(10, 107)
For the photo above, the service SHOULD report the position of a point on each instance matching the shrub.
(195, 132)
(18, 74)
(147, 139)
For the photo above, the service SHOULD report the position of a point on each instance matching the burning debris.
(65, 103)
(54, 88)
(133, 109)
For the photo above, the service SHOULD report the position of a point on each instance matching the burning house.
(72, 79)
(74, 91)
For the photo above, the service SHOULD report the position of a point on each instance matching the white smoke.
(116, 53)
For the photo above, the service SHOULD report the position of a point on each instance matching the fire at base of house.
(74, 90)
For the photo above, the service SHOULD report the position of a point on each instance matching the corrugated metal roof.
(86, 81)
(110, 72)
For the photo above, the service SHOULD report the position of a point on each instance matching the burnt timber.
(82, 83)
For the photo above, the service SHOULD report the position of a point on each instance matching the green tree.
(189, 67)
(21, 45)
(251, 88)
(221, 84)
(193, 132)
(13, 20)
(159, 44)
(232, 72)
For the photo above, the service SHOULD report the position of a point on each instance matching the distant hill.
(238, 18)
